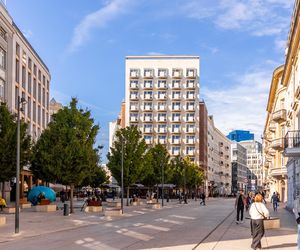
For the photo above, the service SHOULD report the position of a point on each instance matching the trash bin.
(66, 210)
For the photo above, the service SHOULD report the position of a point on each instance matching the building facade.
(218, 161)
(240, 135)
(24, 74)
(239, 167)
(54, 107)
(254, 164)
(162, 100)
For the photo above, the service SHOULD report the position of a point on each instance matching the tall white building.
(254, 163)
(162, 99)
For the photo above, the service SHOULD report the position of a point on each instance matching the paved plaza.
(175, 226)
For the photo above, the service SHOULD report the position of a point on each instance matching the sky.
(84, 44)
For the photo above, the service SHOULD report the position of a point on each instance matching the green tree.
(156, 160)
(176, 172)
(65, 151)
(96, 179)
(194, 175)
(129, 140)
(8, 144)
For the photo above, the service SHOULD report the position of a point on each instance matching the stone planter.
(113, 212)
(25, 205)
(153, 205)
(10, 210)
(45, 208)
(2, 221)
(113, 204)
(93, 209)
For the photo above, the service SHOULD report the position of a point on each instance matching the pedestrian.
(296, 211)
(248, 201)
(240, 203)
(258, 212)
(202, 197)
(274, 200)
(2, 203)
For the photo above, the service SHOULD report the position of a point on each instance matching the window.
(34, 70)
(162, 117)
(134, 84)
(148, 73)
(175, 84)
(23, 77)
(39, 114)
(134, 73)
(2, 89)
(44, 99)
(47, 84)
(43, 118)
(2, 58)
(162, 106)
(29, 107)
(176, 106)
(44, 80)
(148, 84)
(39, 92)
(162, 94)
(29, 63)
(17, 71)
(17, 49)
(190, 128)
(175, 139)
(148, 117)
(175, 150)
(190, 105)
(3, 33)
(40, 75)
(176, 117)
(190, 83)
(162, 128)
(190, 117)
(176, 94)
(34, 112)
(162, 72)
(34, 88)
(16, 97)
(162, 84)
(176, 128)
(29, 83)
(148, 95)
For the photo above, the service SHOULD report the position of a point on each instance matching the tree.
(64, 153)
(129, 140)
(156, 159)
(96, 179)
(8, 144)
(194, 175)
(176, 172)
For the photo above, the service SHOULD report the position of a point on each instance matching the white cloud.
(98, 19)
(259, 18)
(244, 103)
(280, 44)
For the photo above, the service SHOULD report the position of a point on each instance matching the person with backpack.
(240, 203)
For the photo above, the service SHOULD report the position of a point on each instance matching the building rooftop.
(162, 57)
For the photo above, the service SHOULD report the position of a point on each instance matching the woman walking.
(258, 212)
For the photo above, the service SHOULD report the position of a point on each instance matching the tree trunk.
(127, 202)
(71, 198)
(2, 190)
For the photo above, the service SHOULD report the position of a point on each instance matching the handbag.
(264, 217)
(298, 219)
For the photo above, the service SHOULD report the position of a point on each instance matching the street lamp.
(122, 177)
(21, 102)
(162, 184)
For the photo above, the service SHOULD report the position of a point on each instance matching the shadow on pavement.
(282, 246)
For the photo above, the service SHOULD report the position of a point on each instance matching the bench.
(153, 205)
(93, 209)
(25, 205)
(2, 221)
(9, 210)
(45, 208)
(113, 204)
(113, 212)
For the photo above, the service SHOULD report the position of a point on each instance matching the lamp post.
(21, 102)
(122, 177)
(162, 184)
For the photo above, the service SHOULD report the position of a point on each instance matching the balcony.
(162, 141)
(148, 86)
(175, 130)
(279, 116)
(277, 144)
(148, 119)
(162, 130)
(148, 130)
(134, 108)
(162, 119)
(162, 85)
(134, 74)
(191, 152)
(292, 144)
(134, 85)
(175, 141)
(190, 119)
(190, 130)
(190, 108)
(176, 97)
(191, 73)
(190, 141)
(176, 85)
(162, 73)
(148, 141)
(134, 119)
(190, 97)
(148, 108)
(177, 73)
(190, 85)
(176, 108)
(162, 97)
(162, 108)
(297, 93)
(272, 127)
(134, 97)
(278, 172)
(148, 73)
(147, 97)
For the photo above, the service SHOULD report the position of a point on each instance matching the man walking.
(202, 197)
(274, 200)
(240, 205)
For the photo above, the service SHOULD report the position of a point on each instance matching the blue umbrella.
(36, 191)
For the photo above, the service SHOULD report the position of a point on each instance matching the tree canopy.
(8, 144)
(65, 151)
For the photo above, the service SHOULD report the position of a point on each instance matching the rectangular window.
(34, 88)
(29, 63)
(162, 84)
(29, 107)
(17, 49)
(2, 58)
(16, 97)
(17, 71)
(39, 115)
(23, 77)
(39, 92)
(47, 84)
(34, 70)
(3, 33)
(44, 103)
(47, 101)
(34, 112)
(43, 118)
(40, 75)
(29, 83)
(44, 80)
(2, 89)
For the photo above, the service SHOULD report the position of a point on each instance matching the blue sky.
(84, 44)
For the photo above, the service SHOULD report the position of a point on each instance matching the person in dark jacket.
(240, 205)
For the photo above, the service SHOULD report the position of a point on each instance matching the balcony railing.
(279, 115)
(292, 144)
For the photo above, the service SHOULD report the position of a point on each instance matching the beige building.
(162, 100)
(218, 160)
(277, 122)
(24, 74)
(54, 107)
